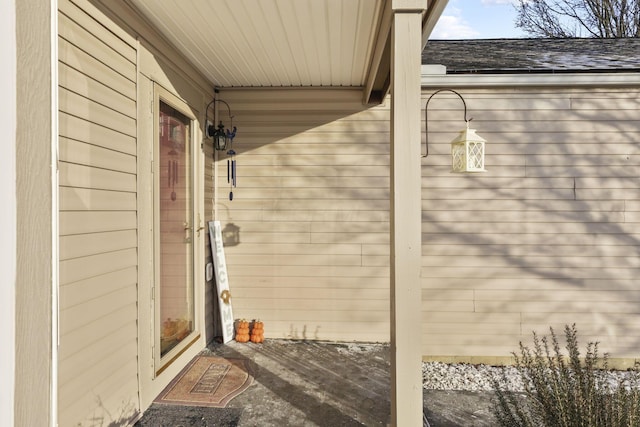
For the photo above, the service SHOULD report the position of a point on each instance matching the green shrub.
(567, 390)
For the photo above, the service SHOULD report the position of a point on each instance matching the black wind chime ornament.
(232, 175)
(172, 134)
(223, 139)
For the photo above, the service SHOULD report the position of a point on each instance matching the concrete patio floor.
(300, 383)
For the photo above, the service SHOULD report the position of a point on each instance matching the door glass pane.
(175, 234)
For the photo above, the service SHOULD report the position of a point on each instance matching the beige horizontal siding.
(77, 293)
(547, 236)
(308, 260)
(276, 249)
(77, 152)
(336, 304)
(271, 215)
(93, 265)
(318, 182)
(301, 282)
(83, 337)
(511, 204)
(81, 130)
(79, 106)
(314, 169)
(524, 216)
(113, 36)
(523, 270)
(80, 222)
(80, 83)
(74, 246)
(315, 194)
(312, 199)
(115, 389)
(463, 250)
(550, 226)
(82, 363)
(98, 372)
(577, 259)
(335, 160)
(79, 315)
(107, 364)
(80, 199)
(308, 206)
(306, 272)
(82, 176)
(101, 50)
(284, 293)
(72, 57)
(478, 233)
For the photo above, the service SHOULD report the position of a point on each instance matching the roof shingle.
(534, 55)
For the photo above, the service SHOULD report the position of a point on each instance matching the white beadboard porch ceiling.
(281, 43)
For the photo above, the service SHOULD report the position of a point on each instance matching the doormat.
(207, 381)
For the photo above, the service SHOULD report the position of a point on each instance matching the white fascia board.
(523, 80)
(432, 16)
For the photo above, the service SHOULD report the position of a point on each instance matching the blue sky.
(477, 19)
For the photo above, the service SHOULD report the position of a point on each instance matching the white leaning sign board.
(222, 280)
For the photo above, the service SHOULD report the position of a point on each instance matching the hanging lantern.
(219, 137)
(467, 152)
(223, 141)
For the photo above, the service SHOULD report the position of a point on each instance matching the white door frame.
(152, 382)
(162, 95)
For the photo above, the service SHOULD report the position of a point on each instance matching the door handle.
(200, 226)
(187, 229)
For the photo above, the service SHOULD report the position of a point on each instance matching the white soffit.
(265, 43)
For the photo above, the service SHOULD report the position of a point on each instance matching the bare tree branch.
(579, 18)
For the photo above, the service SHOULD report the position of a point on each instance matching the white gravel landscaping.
(467, 377)
(460, 376)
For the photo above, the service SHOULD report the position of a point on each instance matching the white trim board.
(8, 215)
(55, 217)
(522, 80)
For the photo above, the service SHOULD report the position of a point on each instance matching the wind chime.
(231, 164)
(172, 135)
(173, 178)
(222, 138)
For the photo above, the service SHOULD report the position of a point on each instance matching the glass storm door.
(174, 293)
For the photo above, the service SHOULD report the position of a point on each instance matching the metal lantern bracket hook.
(426, 121)
(211, 129)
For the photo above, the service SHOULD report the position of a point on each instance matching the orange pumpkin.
(257, 332)
(258, 325)
(242, 331)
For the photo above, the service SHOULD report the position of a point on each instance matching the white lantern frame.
(467, 152)
(467, 149)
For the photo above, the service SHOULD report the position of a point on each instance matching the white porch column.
(36, 214)
(406, 223)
